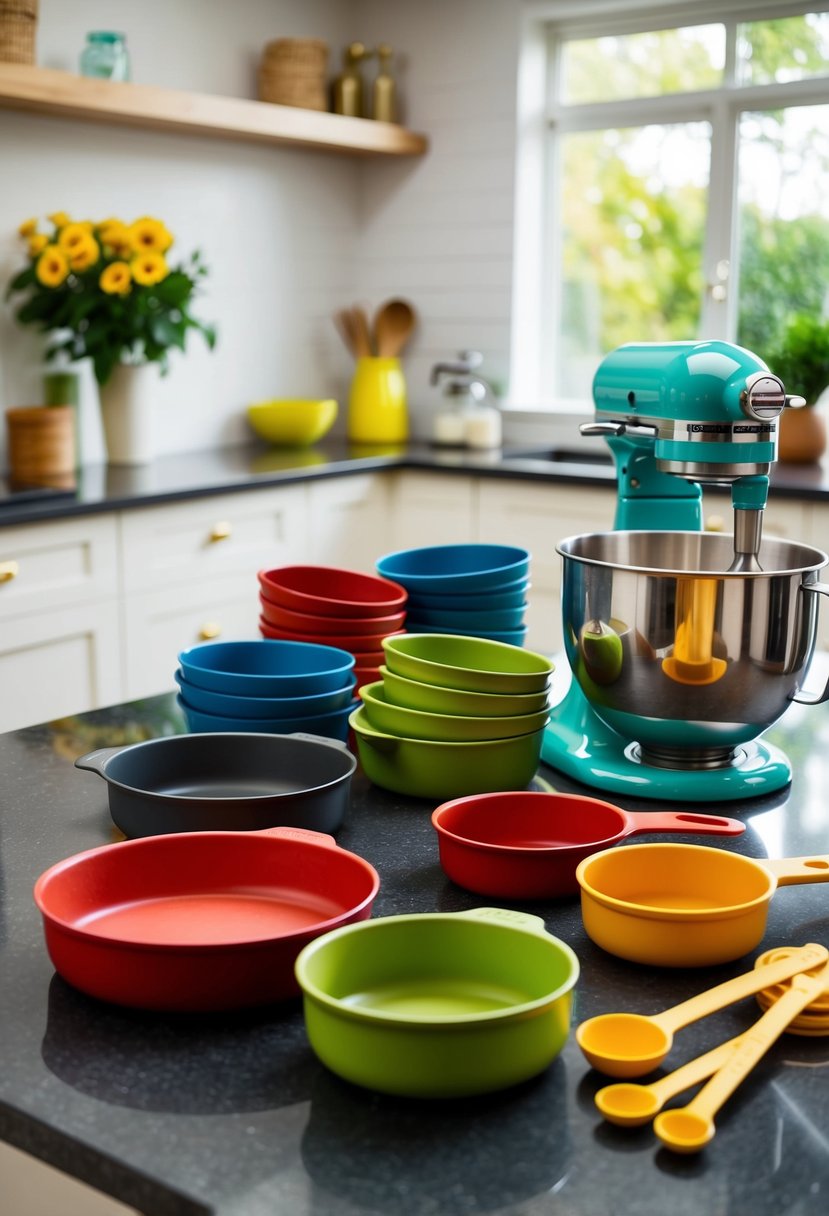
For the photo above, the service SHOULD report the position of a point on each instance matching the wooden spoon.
(393, 327)
(345, 328)
(362, 337)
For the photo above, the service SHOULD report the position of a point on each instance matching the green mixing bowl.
(384, 715)
(438, 1005)
(432, 699)
(424, 768)
(473, 664)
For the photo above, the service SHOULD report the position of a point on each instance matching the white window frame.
(537, 245)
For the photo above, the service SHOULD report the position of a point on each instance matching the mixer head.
(708, 409)
(690, 412)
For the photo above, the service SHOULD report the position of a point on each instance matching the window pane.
(793, 48)
(643, 65)
(784, 220)
(633, 210)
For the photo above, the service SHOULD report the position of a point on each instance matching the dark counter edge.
(172, 478)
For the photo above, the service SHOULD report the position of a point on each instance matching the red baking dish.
(201, 920)
(305, 622)
(356, 644)
(527, 845)
(331, 591)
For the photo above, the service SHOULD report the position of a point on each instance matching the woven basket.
(293, 73)
(18, 25)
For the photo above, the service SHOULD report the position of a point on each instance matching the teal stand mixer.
(683, 646)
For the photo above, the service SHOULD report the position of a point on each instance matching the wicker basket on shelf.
(18, 25)
(293, 73)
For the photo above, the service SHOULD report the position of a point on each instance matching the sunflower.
(37, 243)
(116, 280)
(115, 234)
(84, 253)
(72, 237)
(52, 266)
(28, 228)
(149, 268)
(150, 236)
(58, 218)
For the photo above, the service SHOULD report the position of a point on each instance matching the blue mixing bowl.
(255, 708)
(506, 618)
(331, 726)
(452, 568)
(510, 595)
(265, 667)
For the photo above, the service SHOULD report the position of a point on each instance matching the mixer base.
(579, 744)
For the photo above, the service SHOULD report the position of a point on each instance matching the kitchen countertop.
(234, 1115)
(193, 474)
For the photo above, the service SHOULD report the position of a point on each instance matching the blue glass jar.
(105, 56)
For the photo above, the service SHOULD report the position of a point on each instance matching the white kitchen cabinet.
(433, 509)
(189, 574)
(158, 624)
(185, 543)
(57, 663)
(536, 517)
(55, 564)
(349, 521)
(60, 642)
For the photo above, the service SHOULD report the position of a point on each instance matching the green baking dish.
(425, 768)
(383, 715)
(438, 1005)
(432, 699)
(474, 664)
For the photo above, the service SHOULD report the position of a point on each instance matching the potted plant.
(105, 290)
(801, 360)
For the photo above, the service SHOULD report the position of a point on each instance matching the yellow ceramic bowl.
(292, 422)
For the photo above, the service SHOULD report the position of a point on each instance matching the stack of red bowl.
(343, 608)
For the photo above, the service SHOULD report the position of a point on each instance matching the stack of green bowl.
(453, 716)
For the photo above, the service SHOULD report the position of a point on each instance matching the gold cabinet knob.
(8, 571)
(714, 523)
(220, 531)
(210, 630)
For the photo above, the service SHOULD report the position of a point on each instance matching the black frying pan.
(225, 782)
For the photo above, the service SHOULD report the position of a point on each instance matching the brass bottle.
(348, 86)
(384, 91)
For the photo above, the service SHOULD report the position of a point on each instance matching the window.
(675, 184)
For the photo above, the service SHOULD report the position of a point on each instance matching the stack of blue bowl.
(476, 590)
(269, 687)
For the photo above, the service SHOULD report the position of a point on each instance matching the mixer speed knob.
(763, 397)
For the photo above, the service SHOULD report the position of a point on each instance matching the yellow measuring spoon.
(632, 1044)
(629, 1105)
(686, 1129)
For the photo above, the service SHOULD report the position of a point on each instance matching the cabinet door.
(537, 517)
(161, 623)
(432, 509)
(57, 663)
(349, 521)
(226, 534)
(56, 564)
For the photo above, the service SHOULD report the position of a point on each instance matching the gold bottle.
(348, 86)
(384, 92)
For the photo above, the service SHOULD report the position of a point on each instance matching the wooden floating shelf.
(64, 95)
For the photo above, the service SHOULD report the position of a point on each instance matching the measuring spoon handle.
(694, 1071)
(754, 1043)
(751, 982)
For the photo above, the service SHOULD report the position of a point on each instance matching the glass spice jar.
(105, 56)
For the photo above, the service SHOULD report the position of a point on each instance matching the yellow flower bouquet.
(107, 291)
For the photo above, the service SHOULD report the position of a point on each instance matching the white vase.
(127, 413)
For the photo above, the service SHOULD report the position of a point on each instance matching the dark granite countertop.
(101, 487)
(234, 1115)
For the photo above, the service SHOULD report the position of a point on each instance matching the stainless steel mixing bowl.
(674, 652)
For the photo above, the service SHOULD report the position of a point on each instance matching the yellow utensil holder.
(377, 410)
